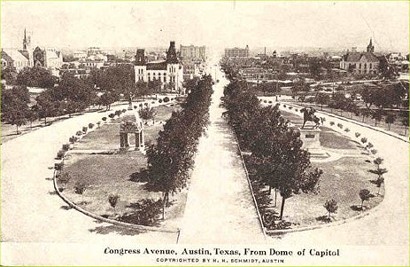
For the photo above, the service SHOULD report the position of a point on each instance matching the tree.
(9, 74)
(14, 106)
(107, 99)
(322, 99)
(142, 89)
(377, 116)
(113, 200)
(47, 106)
(405, 123)
(331, 207)
(147, 113)
(390, 118)
(365, 112)
(379, 172)
(364, 195)
(36, 77)
(171, 158)
(155, 85)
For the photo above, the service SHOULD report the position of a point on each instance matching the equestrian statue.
(309, 115)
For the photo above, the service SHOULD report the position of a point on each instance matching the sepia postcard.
(204, 133)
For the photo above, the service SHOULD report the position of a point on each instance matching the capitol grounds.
(92, 165)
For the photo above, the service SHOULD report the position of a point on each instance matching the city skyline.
(340, 25)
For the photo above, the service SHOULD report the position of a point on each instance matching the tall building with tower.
(237, 52)
(169, 71)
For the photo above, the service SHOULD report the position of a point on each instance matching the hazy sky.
(222, 24)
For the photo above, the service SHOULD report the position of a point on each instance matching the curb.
(300, 229)
(110, 221)
(249, 184)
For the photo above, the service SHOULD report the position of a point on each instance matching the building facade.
(361, 62)
(237, 52)
(192, 52)
(169, 71)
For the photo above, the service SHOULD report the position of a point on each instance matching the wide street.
(219, 209)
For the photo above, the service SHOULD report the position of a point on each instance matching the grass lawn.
(107, 137)
(111, 174)
(342, 179)
(328, 138)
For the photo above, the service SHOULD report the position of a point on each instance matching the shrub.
(332, 123)
(340, 125)
(166, 99)
(140, 105)
(104, 119)
(60, 154)
(152, 102)
(79, 133)
(331, 206)
(296, 109)
(79, 188)
(124, 110)
(111, 115)
(347, 130)
(290, 107)
(135, 107)
(374, 151)
(369, 145)
(265, 101)
(357, 134)
(64, 178)
(85, 129)
(66, 147)
(146, 104)
(113, 199)
(117, 113)
(160, 100)
(58, 166)
(98, 124)
(270, 102)
(91, 125)
(364, 195)
(284, 106)
(363, 140)
(72, 139)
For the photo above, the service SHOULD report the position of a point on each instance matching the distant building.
(168, 71)
(49, 58)
(237, 52)
(361, 62)
(14, 58)
(192, 52)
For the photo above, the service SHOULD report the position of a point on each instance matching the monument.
(132, 124)
(310, 136)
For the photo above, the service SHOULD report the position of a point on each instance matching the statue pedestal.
(311, 142)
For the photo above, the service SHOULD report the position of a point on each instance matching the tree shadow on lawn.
(140, 177)
(104, 230)
(359, 208)
(324, 219)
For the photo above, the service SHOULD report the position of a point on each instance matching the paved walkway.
(220, 208)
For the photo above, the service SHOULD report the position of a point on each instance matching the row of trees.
(171, 158)
(277, 159)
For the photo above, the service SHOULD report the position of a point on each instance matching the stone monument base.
(311, 142)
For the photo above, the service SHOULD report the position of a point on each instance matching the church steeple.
(25, 40)
(370, 47)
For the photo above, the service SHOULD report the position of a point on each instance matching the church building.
(361, 62)
(169, 71)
